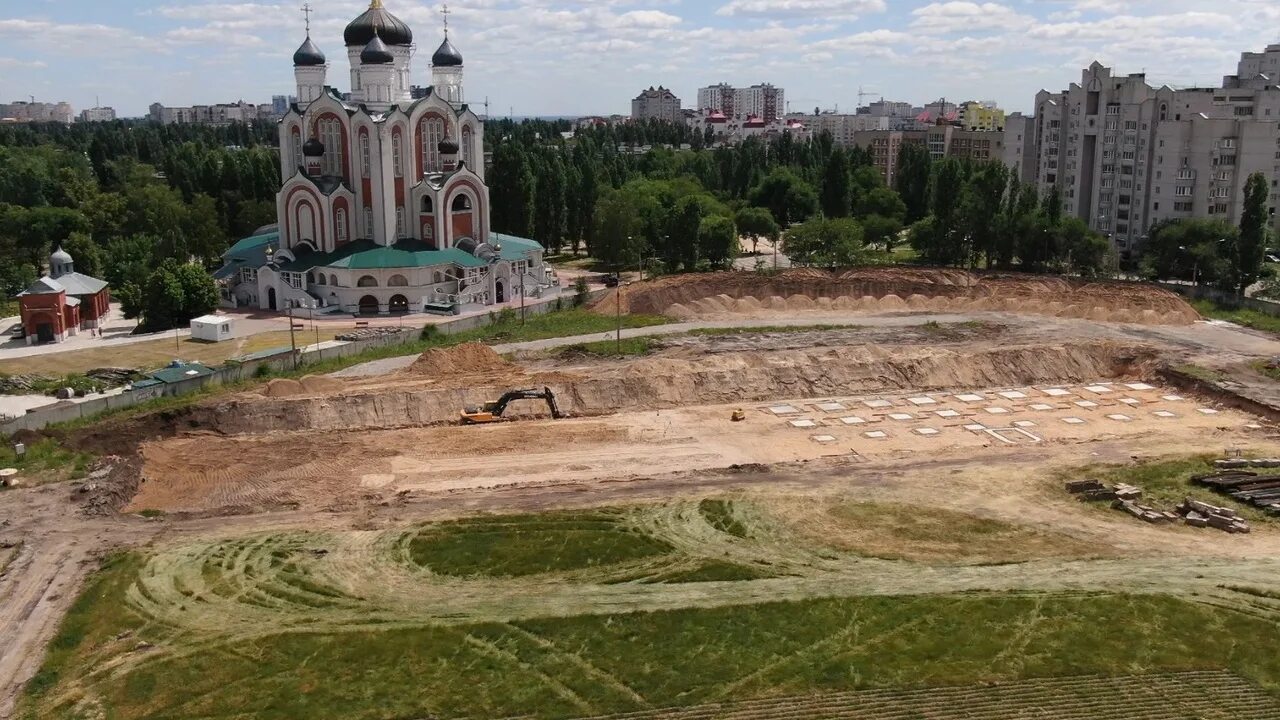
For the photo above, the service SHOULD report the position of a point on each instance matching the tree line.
(134, 203)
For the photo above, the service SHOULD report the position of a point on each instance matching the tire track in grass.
(564, 692)
(578, 661)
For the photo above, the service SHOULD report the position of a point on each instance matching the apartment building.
(25, 112)
(1125, 154)
(843, 127)
(220, 114)
(656, 104)
(941, 141)
(98, 114)
(762, 101)
(1019, 145)
(985, 115)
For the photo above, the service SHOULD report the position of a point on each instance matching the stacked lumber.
(1145, 513)
(1236, 463)
(1260, 491)
(1091, 490)
(1202, 514)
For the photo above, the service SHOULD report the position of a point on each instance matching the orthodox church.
(383, 207)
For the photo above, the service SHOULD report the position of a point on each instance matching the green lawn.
(629, 347)
(45, 461)
(583, 665)
(1243, 316)
(517, 545)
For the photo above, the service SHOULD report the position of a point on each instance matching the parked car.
(611, 280)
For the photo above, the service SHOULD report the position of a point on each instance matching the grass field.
(44, 462)
(154, 354)
(659, 606)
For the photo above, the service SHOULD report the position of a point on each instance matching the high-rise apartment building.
(721, 98)
(762, 101)
(1124, 154)
(658, 104)
(985, 115)
(221, 114)
(1020, 146)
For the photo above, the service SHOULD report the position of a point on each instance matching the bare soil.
(886, 289)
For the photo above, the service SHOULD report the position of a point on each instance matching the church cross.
(306, 11)
(446, 12)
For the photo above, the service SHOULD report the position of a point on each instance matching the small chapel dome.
(308, 55)
(313, 148)
(376, 53)
(446, 55)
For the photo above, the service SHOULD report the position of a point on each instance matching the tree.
(826, 243)
(174, 294)
(549, 212)
(682, 234)
(1253, 230)
(717, 239)
(884, 202)
(789, 198)
(1198, 250)
(881, 230)
(757, 223)
(912, 179)
(618, 229)
(835, 186)
(511, 186)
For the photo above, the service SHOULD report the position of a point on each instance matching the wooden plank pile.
(1195, 513)
(1202, 514)
(1238, 463)
(1260, 491)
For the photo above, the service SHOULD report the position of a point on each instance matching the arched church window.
(439, 277)
(298, 159)
(366, 168)
(331, 136)
(432, 133)
(340, 225)
(427, 205)
(468, 137)
(398, 281)
(395, 154)
(368, 222)
(333, 279)
(461, 203)
(367, 281)
(400, 222)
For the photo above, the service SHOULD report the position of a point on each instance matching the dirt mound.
(283, 387)
(884, 289)
(461, 360)
(320, 384)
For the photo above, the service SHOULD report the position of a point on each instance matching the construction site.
(877, 493)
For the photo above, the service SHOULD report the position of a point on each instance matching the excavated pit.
(667, 382)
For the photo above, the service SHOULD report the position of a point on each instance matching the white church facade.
(383, 206)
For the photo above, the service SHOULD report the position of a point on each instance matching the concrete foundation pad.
(1012, 394)
(923, 400)
(1056, 392)
(803, 424)
(877, 403)
(831, 407)
(901, 416)
(926, 431)
(876, 434)
(1041, 407)
(783, 410)
(970, 397)
(1073, 421)
(853, 420)
(1120, 418)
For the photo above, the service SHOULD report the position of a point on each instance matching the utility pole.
(522, 274)
(293, 344)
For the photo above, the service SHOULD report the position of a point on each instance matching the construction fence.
(234, 372)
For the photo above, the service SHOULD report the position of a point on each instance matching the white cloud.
(841, 9)
(17, 64)
(961, 16)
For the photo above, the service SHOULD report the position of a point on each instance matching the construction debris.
(1125, 497)
(1202, 514)
(1233, 463)
(1260, 491)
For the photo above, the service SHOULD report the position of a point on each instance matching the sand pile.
(283, 387)
(471, 358)
(887, 289)
(320, 384)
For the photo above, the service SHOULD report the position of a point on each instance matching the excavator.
(491, 412)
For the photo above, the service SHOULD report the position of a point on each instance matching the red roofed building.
(62, 303)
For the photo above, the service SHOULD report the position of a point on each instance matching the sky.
(580, 57)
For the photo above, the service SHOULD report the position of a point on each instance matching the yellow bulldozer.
(491, 412)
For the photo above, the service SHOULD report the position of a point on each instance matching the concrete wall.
(1224, 299)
